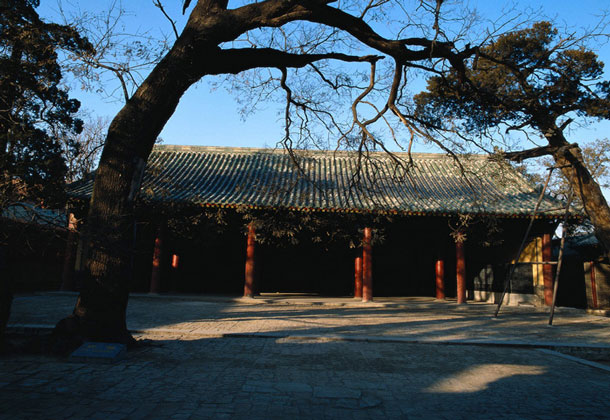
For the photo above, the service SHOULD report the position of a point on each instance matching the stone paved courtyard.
(222, 358)
(282, 378)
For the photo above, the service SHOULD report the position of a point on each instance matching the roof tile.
(215, 176)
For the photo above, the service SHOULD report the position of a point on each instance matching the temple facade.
(248, 221)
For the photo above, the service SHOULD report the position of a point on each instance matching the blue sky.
(206, 117)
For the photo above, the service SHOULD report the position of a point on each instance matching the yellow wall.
(533, 253)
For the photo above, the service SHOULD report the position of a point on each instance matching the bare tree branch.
(159, 5)
(239, 59)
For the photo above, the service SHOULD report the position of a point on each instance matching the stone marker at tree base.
(108, 352)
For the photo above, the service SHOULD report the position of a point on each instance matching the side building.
(241, 220)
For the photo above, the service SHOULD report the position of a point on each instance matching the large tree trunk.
(100, 310)
(6, 295)
(569, 158)
(587, 189)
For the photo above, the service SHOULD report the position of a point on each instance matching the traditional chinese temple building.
(425, 224)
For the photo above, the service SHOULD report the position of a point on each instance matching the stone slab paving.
(184, 377)
(308, 357)
(396, 319)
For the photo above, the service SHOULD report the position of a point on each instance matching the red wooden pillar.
(358, 277)
(547, 269)
(460, 270)
(593, 286)
(367, 266)
(67, 276)
(250, 262)
(175, 275)
(440, 278)
(155, 277)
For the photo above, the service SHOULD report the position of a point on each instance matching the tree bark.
(588, 190)
(569, 158)
(101, 306)
(100, 311)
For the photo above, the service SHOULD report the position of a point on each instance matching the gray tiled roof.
(29, 213)
(263, 178)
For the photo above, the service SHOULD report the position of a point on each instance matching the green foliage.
(277, 227)
(529, 77)
(282, 226)
(35, 111)
(535, 81)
